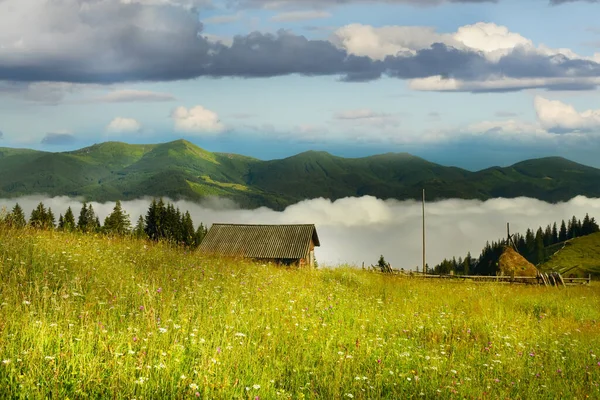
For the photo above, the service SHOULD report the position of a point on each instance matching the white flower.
(256, 387)
(26, 302)
(183, 377)
(193, 386)
(5, 362)
(162, 330)
(350, 395)
(240, 334)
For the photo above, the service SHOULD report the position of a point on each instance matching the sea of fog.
(354, 230)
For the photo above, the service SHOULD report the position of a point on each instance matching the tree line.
(163, 221)
(536, 247)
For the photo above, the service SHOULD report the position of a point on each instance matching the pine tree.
(82, 221)
(548, 236)
(17, 217)
(188, 229)
(139, 231)
(49, 220)
(152, 227)
(554, 234)
(530, 243)
(38, 216)
(467, 263)
(61, 223)
(69, 221)
(574, 228)
(562, 233)
(539, 253)
(118, 221)
(200, 234)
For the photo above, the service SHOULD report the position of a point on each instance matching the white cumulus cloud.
(198, 120)
(123, 125)
(557, 116)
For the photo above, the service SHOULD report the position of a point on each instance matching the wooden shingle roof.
(260, 241)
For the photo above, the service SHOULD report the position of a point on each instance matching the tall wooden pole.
(424, 265)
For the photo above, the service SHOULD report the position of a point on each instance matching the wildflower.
(379, 361)
(5, 361)
(256, 387)
(158, 290)
(26, 302)
(197, 394)
(183, 376)
(141, 308)
(193, 386)
(239, 334)
(350, 395)
(162, 330)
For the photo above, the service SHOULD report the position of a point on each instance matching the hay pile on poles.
(513, 264)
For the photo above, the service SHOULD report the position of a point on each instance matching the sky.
(471, 83)
(355, 230)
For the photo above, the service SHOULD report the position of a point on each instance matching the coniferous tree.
(61, 223)
(200, 234)
(530, 243)
(82, 221)
(467, 264)
(188, 229)
(562, 233)
(139, 231)
(49, 220)
(118, 221)
(16, 218)
(69, 220)
(38, 218)
(554, 234)
(548, 236)
(153, 223)
(539, 252)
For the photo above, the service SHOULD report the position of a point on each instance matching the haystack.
(513, 264)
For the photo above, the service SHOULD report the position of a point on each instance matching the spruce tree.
(17, 217)
(38, 216)
(69, 221)
(562, 233)
(188, 229)
(554, 234)
(49, 220)
(139, 231)
(61, 223)
(539, 253)
(200, 234)
(118, 221)
(82, 221)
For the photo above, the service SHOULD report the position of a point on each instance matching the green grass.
(579, 257)
(98, 317)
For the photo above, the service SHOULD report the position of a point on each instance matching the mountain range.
(181, 170)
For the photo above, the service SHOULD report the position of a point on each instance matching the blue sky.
(470, 84)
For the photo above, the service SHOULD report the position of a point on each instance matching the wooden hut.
(281, 244)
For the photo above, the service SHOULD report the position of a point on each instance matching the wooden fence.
(546, 279)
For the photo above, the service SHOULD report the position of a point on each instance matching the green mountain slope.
(578, 257)
(180, 169)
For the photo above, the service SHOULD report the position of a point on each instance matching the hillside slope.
(578, 257)
(180, 169)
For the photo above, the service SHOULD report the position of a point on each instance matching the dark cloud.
(58, 139)
(105, 46)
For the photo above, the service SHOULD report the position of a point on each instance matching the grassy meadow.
(84, 316)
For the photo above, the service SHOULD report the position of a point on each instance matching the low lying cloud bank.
(355, 230)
